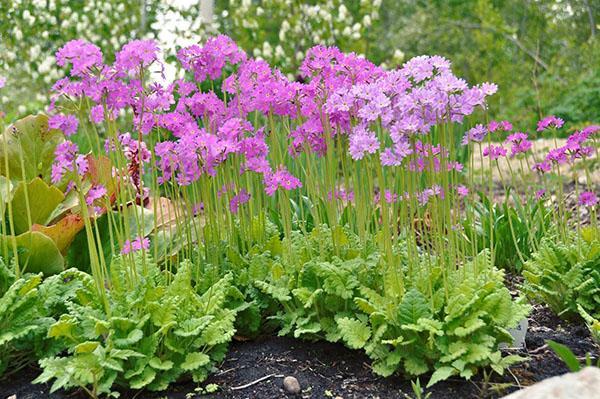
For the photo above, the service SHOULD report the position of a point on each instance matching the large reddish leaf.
(63, 232)
(100, 173)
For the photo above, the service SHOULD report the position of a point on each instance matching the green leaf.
(566, 355)
(354, 332)
(86, 347)
(441, 374)
(28, 148)
(195, 360)
(37, 253)
(133, 337)
(63, 327)
(42, 200)
(143, 379)
(413, 307)
(159, 364)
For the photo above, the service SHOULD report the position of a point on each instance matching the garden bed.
(332, 370)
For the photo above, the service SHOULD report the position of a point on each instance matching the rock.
(584, 384)
(291, 385)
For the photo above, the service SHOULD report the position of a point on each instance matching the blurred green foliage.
(543, 54)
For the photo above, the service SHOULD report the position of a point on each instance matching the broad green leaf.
(28, 146)
(566, 355)
(6, 193)
(413, 307)
(86, 347)
(37, 253)
(441, 374)
(159, 364)
(133, 337)
(143, 379)
(354, 332)
(62, 328)
(42, 200)
(195, 360)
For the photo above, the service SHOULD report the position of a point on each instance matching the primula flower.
(539, 194)
(281, 178)
(520, 143)
(362, 141)
(506, 126)
(139, 243)
(394, 156)
(136, 54)
(95, 193)
(237, 200)
(475, 134)
(494, 152)
(66, 123)
(2, 81)
(66, 159)
(588, 198)
(462, 191)
(83, 55)
(97, 114)
(549, 121)
(542, 167)
(557, 155)
(210, 59)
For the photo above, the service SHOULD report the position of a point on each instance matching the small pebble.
(291, 385)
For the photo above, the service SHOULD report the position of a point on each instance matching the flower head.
(66, 123)
(549, 121)
(362, 141)
(588, 198)
(280, 179)
(542, 167)
(539, 194)
(95, 193)
(462, 191)
(135, 245)
(136, 54)
(83, 55)
(476, 134)
(67, 160)
(494, 152)
(519, 143)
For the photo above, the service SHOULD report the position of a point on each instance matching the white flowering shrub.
(280, 31)
(32, 30)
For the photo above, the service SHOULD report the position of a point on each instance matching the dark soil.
(327, 370)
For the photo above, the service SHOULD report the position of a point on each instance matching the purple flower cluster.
(67, 160)
(135, 245)
(494, 152)
(343, 100)
(576, 147)
(66, 123)
(81, 54)
(210, 59)
(362, 141)
(588, 198)
(520, 143)
(549, 122)
(281, 178)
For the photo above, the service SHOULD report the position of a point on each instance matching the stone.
(584, 384)
(291, 385)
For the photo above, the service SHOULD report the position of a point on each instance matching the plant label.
(518, 333)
